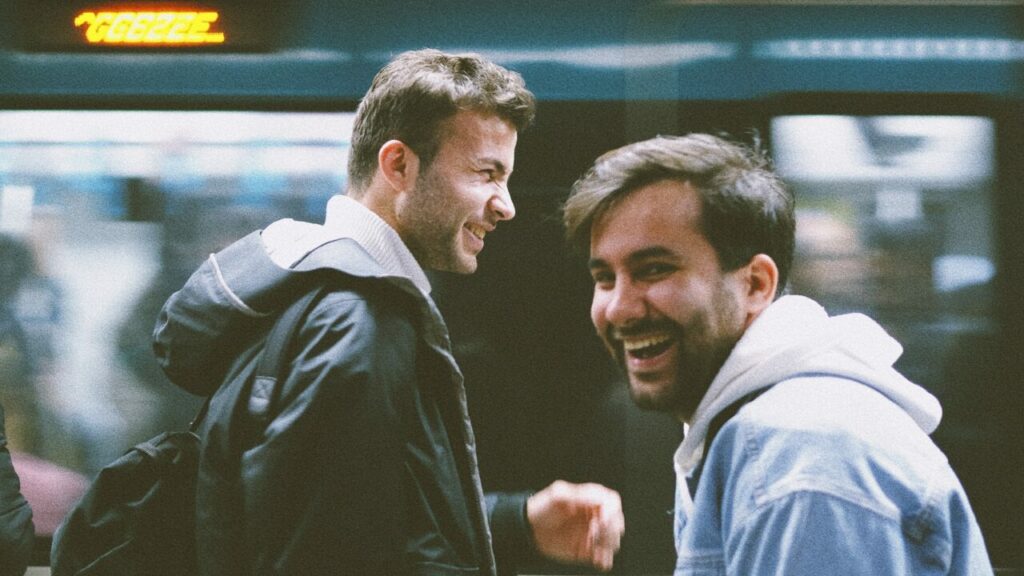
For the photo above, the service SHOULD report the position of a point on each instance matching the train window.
(102, 215)
(895, 218)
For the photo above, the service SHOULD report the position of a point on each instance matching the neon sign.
(149, 28)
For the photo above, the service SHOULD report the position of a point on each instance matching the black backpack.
(138, 515)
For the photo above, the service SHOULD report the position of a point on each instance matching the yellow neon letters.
(181, 28)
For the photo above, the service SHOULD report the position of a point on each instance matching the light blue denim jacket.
(830, 470)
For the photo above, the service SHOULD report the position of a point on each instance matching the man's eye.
(653, 270)
(603, 278)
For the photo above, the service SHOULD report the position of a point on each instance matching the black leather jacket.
(370, 465)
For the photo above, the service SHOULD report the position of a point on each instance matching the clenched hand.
(577, 523)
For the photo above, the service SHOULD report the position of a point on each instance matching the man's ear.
(398, 165)
(762, 278)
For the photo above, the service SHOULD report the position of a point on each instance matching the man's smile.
(476, 230)
(648, 346)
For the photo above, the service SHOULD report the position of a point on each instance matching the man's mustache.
(641, 327)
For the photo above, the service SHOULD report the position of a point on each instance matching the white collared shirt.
(288, 241)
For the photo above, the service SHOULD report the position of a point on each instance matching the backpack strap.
(722, 417)
(714, 427)
(275, 356)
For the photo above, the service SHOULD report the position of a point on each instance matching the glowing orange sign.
(149, 28)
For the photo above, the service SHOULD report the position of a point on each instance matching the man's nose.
(626, 304)
(502, 206)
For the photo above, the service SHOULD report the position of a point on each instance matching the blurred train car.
(128, 153)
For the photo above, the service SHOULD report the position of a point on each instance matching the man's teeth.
(635, 344)
(477, 231)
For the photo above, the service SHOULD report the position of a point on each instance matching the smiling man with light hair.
(369, 467)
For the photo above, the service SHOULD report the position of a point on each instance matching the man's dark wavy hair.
(746, 209)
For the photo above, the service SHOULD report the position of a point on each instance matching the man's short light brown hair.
(410, 97)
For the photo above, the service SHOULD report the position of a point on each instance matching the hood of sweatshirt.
(225, 307)
(794, 337)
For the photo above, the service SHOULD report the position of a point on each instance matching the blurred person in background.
(19, 363)
(31, 438)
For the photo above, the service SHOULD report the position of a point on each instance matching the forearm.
(510, 530)
(16, 531)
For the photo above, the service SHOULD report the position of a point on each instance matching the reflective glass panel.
(102, 215)
(895, 219)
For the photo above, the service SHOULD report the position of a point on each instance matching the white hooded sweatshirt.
(795, 336)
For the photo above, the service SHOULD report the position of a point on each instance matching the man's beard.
(432, 237)
(701, 350)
